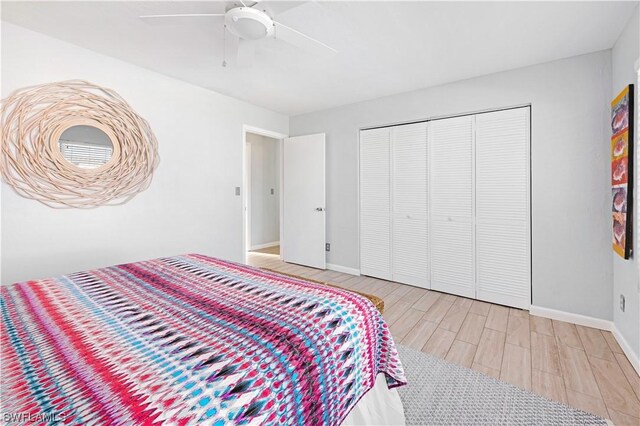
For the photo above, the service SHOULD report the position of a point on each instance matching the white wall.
(624, 54)
(191, 205)
(571, 234)
(265, 176)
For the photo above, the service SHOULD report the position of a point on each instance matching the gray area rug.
(442, 393)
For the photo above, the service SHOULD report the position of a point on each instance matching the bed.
(191, 339)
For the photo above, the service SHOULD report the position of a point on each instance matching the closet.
(445, 205)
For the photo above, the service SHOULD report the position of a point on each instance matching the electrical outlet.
(327, 247)
(237, 190)
(273, 191)
(622, 302)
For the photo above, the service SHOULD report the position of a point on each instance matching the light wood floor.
(268, 250)
(579, 366)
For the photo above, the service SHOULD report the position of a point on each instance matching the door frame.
(247, 193)
(246, 174)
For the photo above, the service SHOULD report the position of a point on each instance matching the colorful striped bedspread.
(188, 339)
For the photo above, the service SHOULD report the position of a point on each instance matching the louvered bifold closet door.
(375, 203)
(451, 160)
(409, 237)
(502, 207)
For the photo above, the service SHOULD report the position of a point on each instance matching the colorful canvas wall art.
(622, 171)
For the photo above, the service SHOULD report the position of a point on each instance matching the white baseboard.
(343, 269)
(265, 245)
(572, 318)
(626, 348)
(590, 322)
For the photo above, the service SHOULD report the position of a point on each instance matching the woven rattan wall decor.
(34, 118)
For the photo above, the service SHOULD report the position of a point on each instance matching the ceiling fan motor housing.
(248, 23)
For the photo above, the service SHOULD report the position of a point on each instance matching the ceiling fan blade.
(184, 15)
(301, 40)
(275, 8)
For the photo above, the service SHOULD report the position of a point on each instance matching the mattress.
(189, 339)
(379, 406)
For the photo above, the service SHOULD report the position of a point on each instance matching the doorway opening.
(262, 187)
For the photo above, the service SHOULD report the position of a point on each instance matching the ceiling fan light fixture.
(248, 24)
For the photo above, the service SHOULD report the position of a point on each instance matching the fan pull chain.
(224, 46)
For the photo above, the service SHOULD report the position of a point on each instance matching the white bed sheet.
(380, 406)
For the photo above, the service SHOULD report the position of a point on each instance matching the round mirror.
(86, 147)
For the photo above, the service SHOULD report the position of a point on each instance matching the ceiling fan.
(250, 24)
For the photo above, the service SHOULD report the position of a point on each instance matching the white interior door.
(502, 207)
(410, 239)
(303, 196)
(451, 154)
(375, 203)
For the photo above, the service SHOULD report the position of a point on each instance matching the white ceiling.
(383, 47)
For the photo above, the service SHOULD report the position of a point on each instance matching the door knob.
(319, 209)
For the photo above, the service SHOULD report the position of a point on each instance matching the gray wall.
(191, 204)
(265, 207)
(571, 236)
(625, 272)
